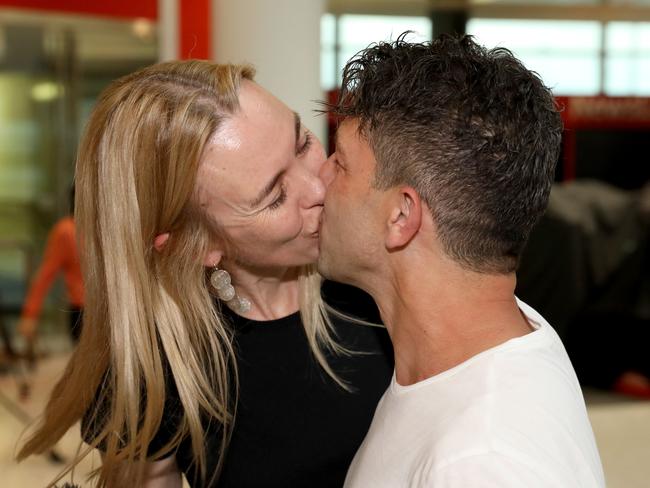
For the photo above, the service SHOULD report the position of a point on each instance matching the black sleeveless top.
(294, 427)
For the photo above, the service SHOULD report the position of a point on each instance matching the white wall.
(281, 38)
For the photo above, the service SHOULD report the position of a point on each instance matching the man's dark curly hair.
(473, 131)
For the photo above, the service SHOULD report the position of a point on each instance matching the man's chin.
(323, 266)
(330, 268)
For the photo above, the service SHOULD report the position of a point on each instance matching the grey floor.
(621, 425)
(622, 429)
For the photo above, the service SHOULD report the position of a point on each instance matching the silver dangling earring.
(220, 280)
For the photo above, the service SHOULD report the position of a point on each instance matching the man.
(443, 164)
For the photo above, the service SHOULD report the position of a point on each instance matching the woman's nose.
(314, 186)
(315, 190)
(319, 157)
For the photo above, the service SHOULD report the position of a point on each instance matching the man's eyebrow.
(271, 184)
(337, 145)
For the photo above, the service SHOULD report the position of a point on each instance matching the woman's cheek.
(274, 227)
(290, 224)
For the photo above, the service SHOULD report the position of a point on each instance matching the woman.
(187, 170)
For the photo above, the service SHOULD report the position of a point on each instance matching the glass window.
(328, 30)
(361, 30)
(50, 76)
(627, 59)
(566, 54)
(328, 66)
(356, 32)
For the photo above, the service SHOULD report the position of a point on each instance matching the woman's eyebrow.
(267, 189)
(274, 181)
(298, 123)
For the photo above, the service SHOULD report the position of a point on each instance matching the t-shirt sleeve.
(490, 470)
(97, 414)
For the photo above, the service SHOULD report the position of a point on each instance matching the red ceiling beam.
(123, 9)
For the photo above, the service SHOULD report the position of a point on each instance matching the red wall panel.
(194, 29)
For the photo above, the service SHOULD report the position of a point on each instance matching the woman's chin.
(312, 254)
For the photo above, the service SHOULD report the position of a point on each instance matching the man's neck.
(440, 315)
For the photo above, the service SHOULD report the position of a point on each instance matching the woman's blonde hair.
(150, 314)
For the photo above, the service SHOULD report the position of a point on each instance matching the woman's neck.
(273, 293)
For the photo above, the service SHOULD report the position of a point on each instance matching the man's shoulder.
(481, 441)
(535, 423)
(493, 401)
(494, 467)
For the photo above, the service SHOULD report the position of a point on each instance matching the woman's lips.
(316, 232)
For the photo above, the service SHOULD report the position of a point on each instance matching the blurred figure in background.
(587, 267)
(60, 256)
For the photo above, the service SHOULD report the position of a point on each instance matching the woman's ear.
(160, 240)
(212, 258)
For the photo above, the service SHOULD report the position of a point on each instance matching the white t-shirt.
(510, 417)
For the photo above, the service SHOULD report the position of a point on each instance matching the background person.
(60, 256)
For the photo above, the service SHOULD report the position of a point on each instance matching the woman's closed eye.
(300, 151)
(305, 145)
(280, 199)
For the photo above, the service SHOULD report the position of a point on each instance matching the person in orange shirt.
(60, 256)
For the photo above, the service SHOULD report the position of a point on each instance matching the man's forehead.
(350, 124)
(349, 134)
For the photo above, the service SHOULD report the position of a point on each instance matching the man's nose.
(327, 170)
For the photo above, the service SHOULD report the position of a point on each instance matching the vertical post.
(281, 38)
(168, 27)
(449, 21)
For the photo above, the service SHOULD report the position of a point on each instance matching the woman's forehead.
(260, 133)
(250, 147)
(260, 105)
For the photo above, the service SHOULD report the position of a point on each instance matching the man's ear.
(212, 258)
(405, 218)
